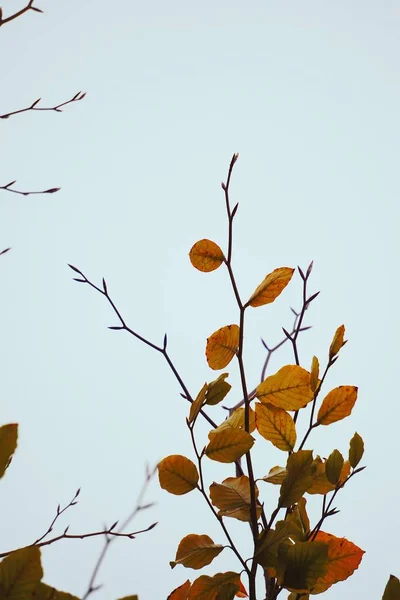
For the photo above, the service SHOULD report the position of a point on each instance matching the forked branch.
(19, 13)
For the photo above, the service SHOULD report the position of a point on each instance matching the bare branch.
(19, 13)
(56, 108)
(59, 512)
(8, 188)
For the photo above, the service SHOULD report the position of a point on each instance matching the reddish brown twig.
(19, 13)
(8, 188)
(56, 108)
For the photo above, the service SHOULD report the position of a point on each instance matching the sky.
(308, 94)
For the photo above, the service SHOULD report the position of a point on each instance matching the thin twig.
(59, 512)
(8, 188)
(4, 251)
(33, 106)
(19, 13)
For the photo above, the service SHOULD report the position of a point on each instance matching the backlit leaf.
(206, 256)
(298, 479)
(233, 498)
(356, 450)
(268, 545)
(321, 484)
(198, 403)
(337, 342)
(299, 518)
(276, 426)
(337, 405)
(208, 588)
(289, 388)
(333, 467)
(236, 420)
(314, 374)
(20, 573)
(8, 444)
(196, 551)
(177, 474)
(392, 589)
(344, 558)
(46, 592)
(228, 445)
(217, 390)
(276, 475)
(181, 592)
(222, 346)
(273, 284)
(301, 564)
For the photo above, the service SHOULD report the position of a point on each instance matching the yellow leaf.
(314, 375)
(301, 564)
(392, 589)
(337, 405)
(222, 346)
(273, 284)
(46, 592)
(206, 256)
(289, 388)
(338, 342)
(208, 588)
(217, 390)
(181, 592)
(8, 444)
(20, 573)
(177, 474)
(228, 445)
(321, 484)
(236, 420)
(344, 558)
(276, 426)
(196, 551)
(233, 498)
(356, 450)
(197, 405)
(333, 467)
(276, 475)
(298, 479)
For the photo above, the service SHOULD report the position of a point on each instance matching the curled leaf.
(222, 346)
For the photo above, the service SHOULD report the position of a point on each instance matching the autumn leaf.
(222, 346)
(338, 342)
(208, 588)
(228, 445)
(206, 256)
(333, 467)
(301, 565)
(276, 475)
(298, 479)
(273, 284)
(198, 403)
(20, 573)
(217, 390)
(337, 405)
(177, 474)
(233, 498)
(269, 543)
(8, 444)
(344, 558)
(299, 518)
(314, 374)
(276, 426)
(46, 592)
(181, 592)
(236, 420)
(289, 388)
(196, 551)
(392, 589)
(356, 450)
(321, 484)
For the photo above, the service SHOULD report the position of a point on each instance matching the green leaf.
(8, 444)
(392, 589)
(333, 467)
(356, 450)
(301, 564)
(46, 592)
(298, 479)
(269, 544)
(217, 390)
(20, 573)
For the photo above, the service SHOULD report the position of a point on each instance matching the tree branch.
(19, 13)
(8, 188)
(33, 106)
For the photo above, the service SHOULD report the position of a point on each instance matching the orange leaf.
(289, 388)
(206, 256)
(222, 346)
(271, 287)
(344, 558)
(228, 445)
(208, 588)
(276, 426)
(177, 474)
(337, 405)
(181, 592)
(233, 498)
(196, 551)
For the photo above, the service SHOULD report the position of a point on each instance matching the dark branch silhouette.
(8, 188)
(19, 13)
(34, 106)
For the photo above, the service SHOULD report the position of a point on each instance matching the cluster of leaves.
(293, 555)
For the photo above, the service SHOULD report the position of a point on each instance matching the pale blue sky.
(308, 93)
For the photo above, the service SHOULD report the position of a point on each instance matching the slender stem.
(8, 188)
(56, 108)
(19, 13)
